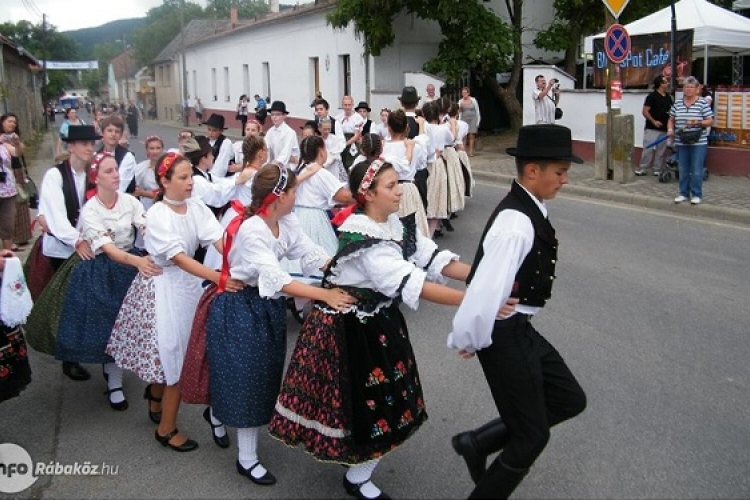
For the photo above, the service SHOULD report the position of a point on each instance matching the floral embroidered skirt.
(246, 346)
(352, 391)
(95, 293)
(15, 372)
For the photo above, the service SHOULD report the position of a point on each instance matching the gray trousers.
(652, 157)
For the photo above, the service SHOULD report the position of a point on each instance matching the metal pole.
(183, 67)
(673, 49)
(44, 72)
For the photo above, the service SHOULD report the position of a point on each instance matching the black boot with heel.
(474, 446)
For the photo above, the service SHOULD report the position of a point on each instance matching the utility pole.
(183, 68)
(44, 72)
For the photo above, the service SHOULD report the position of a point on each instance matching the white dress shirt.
(52, 205)
(506, 245)
(281, 142)
(221, 162)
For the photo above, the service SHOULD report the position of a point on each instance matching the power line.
(30, 8)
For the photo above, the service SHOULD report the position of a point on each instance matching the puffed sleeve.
(160, 237)
(209, 229)
(390, 274)
(93, 229)
(329, 184)
(311, 256)
(252, 255)
(432, 260)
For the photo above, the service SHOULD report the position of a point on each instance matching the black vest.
(215, 149)
(72, 203)
(533, 281)
(366, 127)
(413, 127)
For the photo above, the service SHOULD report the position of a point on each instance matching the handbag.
(689, 135)
(558, 113)
(28, 189)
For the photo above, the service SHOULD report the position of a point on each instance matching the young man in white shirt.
(546, 97)
(112, 130)
(283, 148)
(532, 387)
(221, 146)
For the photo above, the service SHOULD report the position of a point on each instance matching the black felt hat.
(81, 133)
(409, 96)
(544, 142)
(278, 106)
(215, 121)
(362, 105)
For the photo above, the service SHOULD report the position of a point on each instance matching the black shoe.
(223, 441)
(155, 416)
(448, 226)
(266, 479)
(474, 446)
(75, 371)
(188, 445)
(122, 405)
(298, 315)
(354, 490)
(437, 234)
(454, 215)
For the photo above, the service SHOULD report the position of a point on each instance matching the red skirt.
(194, 377)
(37, 270)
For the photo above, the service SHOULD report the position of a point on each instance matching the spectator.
(71, 118)
(656, 112)
(199, 111)
(544, 103)
(242, 110)
(469, 112)
(261, 109)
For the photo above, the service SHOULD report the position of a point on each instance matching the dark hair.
(243, 96)
(68, 110)
(537, 77)
(521, 163)
(251, 146)
(397, 121)
(445, 105)
(308, 150)
(113, 120)
(264, 181)
(657, 81)
(323, 102)
(453, 109)
(5, 117)
(205, 150)
(431, 112)
(357, 173)
(168, 174)
(372, 146)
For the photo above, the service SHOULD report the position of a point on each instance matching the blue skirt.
(246, 349)
(92, 300)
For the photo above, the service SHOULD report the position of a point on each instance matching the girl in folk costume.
(352, 391)
(252, 127)
(153, 326)
(407, 156)
(462, 129)
(15, 305)
(456, 188)
(437, 182)
(246, 332)
(97, 286)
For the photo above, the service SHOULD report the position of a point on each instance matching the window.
(246, 79)
(226, 84)
(345, 84)
(314, 77)
(194, 92)
(213, 84)
(266, 80)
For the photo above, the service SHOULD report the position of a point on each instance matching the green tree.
(44, 44)
(247, 9)
(162, 25)
(474, 38)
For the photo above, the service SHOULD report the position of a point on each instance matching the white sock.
(247, 442)
(114, 380)
(219, 431)
(361, 473)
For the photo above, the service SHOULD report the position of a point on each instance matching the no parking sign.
(617, 43)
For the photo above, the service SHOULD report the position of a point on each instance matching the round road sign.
(617, 43)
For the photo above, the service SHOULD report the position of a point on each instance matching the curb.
(709, 211)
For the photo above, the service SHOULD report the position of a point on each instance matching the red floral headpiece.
(166, 164)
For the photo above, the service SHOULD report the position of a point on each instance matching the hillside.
(87, 38)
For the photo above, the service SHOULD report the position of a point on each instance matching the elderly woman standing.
(469, 112)
(11, 139)
(689, 120)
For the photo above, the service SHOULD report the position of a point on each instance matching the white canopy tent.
(717, 32)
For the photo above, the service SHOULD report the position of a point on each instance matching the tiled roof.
(124, 65)
(196, 30)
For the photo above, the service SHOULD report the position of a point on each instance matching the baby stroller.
(670, 166)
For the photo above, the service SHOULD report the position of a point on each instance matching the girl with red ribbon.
(246, 332)
(152, 329)
(352, 393)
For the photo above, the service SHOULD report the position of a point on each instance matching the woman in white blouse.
(97, 286)
(246, 332)
(152, 330)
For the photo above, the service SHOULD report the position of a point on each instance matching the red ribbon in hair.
(93, 172)
(229, 234)
(166, 164)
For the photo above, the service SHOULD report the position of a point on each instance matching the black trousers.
(532, 387)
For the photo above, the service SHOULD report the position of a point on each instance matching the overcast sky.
(70, 15)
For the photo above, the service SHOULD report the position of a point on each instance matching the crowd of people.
(180, 269)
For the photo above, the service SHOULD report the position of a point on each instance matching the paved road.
(650, 310)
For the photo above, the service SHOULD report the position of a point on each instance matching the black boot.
(499, 481)
(475, 445)
(75, 371)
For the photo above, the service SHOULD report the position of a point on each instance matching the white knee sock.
(219, 431)
(361, 473)
(247, 442)
(114, 380)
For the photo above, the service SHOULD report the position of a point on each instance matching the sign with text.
(616, 6)
(72, 65)
(649, 56)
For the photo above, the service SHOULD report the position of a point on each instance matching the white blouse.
(169, 233)
(101, 225)
(382, 267)
(256, 254)
(395, 154)
(145, 178)
(318, 190)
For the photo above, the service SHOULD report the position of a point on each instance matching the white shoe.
(680, 199)
(695, 200)
(656, 173)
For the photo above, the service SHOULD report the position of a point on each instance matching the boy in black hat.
(283, 148)
(221, 146)
(364, 111)
(531, 385)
